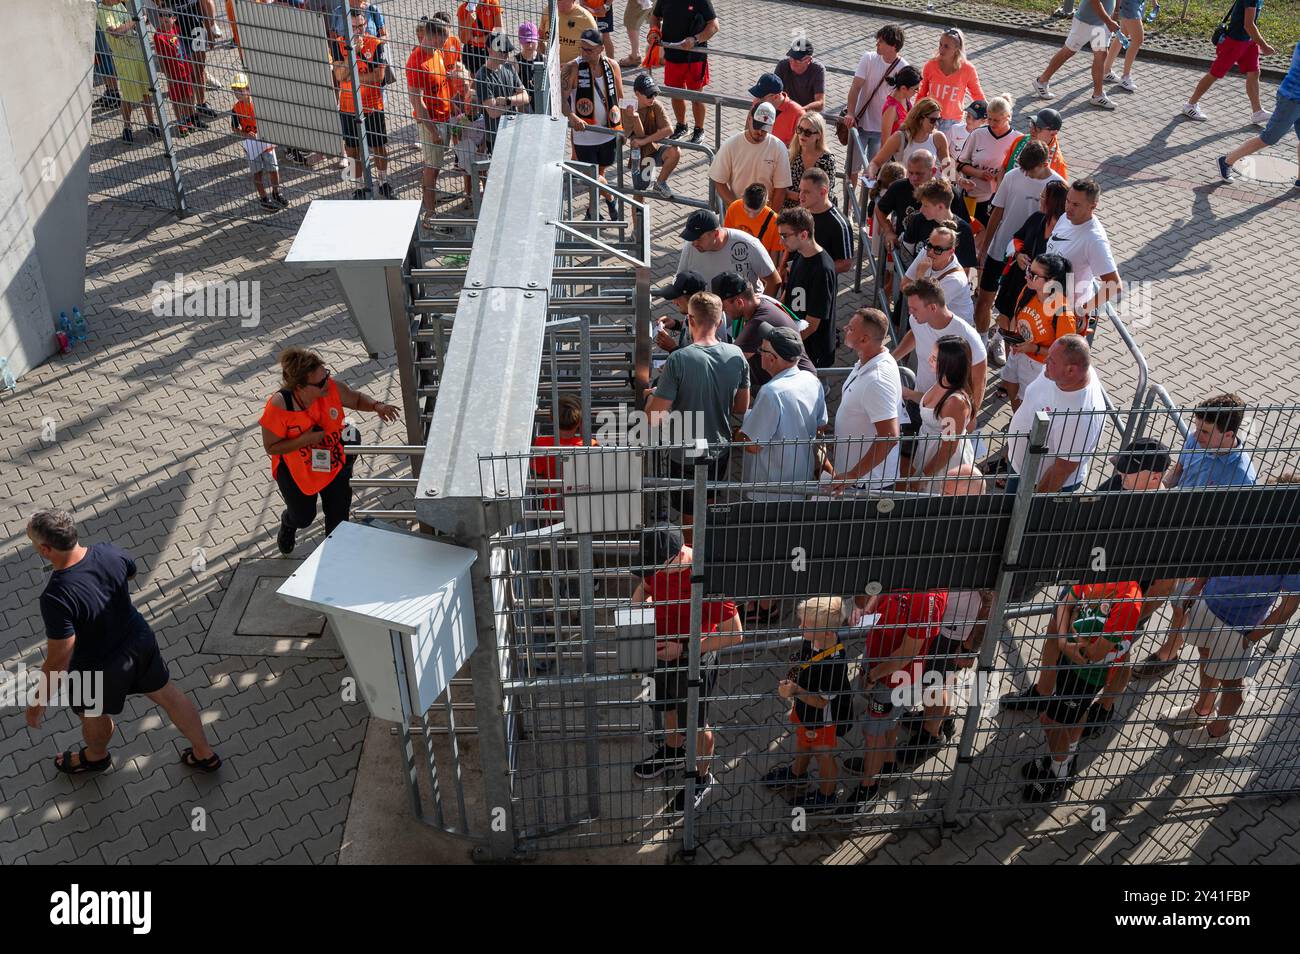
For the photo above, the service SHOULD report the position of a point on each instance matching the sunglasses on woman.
(803, 131)
(939, 249)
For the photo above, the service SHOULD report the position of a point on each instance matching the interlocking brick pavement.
(157, 448)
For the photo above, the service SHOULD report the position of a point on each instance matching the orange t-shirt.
(788, 115)
(244, 118)
(451, 53)
(372, 90)
(949, 89)
(475, 27)
(738, 217)
(426, 75)
(1034, 324)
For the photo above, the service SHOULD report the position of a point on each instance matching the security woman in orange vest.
(303, 431)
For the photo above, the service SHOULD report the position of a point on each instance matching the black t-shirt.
(812, 284)
(769, 312)
(803, 87)
(89, 600)
(832, 232)
(683, 18)
(1237, 20)
(917, 228)
(828, 677)
(526, 70)
(900, 199)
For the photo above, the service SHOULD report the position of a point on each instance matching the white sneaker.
(1110, 77)
(1200, 738)
(1193, 111)
(1127, 85)
(997, 350)
(1188, 718)
(1261, 118)
(1101, 102)
(1044, 90)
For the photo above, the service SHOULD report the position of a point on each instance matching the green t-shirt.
(701, 383)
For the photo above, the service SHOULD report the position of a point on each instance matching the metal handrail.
(619, 163)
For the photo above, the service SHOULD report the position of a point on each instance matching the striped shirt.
(831, 231)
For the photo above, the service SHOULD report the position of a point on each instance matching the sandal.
(210, 764)
(64, 763)
(1153, 667)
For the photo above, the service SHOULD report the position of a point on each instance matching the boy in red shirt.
(892, 662)
(179, 72)
(665, 571)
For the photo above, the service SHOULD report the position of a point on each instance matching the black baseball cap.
(729, 285)
(659, 544)
(800, 49)
(978, 108)
(700, 222)
(592, 37)
(684, 283)
(645, 85)
(1145, 453)
(767, 84)
(1047, 119)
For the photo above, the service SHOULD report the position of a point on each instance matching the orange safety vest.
(313, 467)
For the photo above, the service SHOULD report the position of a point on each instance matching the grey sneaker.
(661, 189)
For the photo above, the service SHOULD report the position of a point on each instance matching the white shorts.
(1232, 656)
(1021, 369)
(1084, 34)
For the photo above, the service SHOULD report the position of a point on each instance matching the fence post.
(363, 146)
(151, 66)
(997, 622)
(693, 682)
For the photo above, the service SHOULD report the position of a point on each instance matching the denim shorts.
(1286, 115)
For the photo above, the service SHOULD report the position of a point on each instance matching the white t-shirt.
(1087, 249)
(955, 286)
(983, 148)
(926, 338)
(740, 163)
(1017, 197)
(871, 70)
(740, 253)
(1070, 436)
(872, 393)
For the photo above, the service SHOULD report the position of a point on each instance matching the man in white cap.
(754, 155)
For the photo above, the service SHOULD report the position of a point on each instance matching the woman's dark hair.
(1056, 192)
(952, 361)
(908, 76)
(1057, 267)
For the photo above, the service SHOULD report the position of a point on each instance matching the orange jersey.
(245, 121)
(475, 27)
(426, 75)
(762, 226)
(451, 53)
(1034, 324)
(371, 72)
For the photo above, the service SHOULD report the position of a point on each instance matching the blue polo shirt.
(790, 407)
(343, 13)
(1290, 87)
(1243, 601)
(1203, 468)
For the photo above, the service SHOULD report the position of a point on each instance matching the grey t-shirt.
(1086, 14)
(701, 382)
(489, 84)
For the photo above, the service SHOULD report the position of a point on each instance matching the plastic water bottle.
(65, 325)
(79, 331)
(7, 382)
(929, 6)
(1123, 40)
(1153, 12)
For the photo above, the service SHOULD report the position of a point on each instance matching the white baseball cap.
(764, 116)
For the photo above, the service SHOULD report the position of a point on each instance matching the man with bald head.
(1068, 384)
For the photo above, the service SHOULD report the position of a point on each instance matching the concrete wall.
(46, 69)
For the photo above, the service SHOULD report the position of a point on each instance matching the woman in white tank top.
(920, 130)
(946, 408)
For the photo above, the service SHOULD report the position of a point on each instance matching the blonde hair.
(912, 123)
(1000, 104)
(704, 306)
(816, 119)
(959, 38)
(297, 365)
(820, 613)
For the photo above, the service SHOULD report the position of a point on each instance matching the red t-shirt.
(671, 592)
(906, 616)
(546, 467)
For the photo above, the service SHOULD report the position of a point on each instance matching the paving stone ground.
(156, 447)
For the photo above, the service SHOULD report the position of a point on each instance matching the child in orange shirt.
(261, 155)
(751, 213)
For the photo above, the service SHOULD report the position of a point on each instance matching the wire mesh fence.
(204, 97)
(695, 654)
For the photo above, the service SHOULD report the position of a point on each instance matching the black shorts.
(991, 273)
(683, 501)
(136, 669)
(982, 211)
(601, 155)
(1069, 702)
(671, 689)
(376, 130)
(606, 20)
(949, 652)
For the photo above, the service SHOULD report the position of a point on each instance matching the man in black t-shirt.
(900, 198)
(936, 202)
(688, 25)
(811, 285)
(497, 86)
(751, 316)
(830, 228)
(100, 647)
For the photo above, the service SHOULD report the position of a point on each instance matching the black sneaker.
(203, 109)
(360, 194)
(816, 801)
(1036, 768)
(1050, 787)
(386, 190)
(1027, 701)
(287, 538)
(108, 101)
(678, 131)
(853, 766)
(703, 785)
(783, 777)
(154, 131)
(658, 763)
(279, 200)
(697, 136)
(126, 134)
(857, 801)
(1097, 720)
(920, 748)
(612, 209)
(268, 205)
